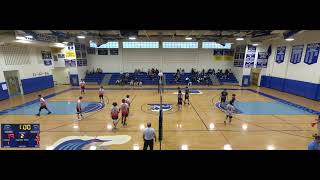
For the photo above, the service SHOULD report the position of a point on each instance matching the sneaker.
(49, 112)
(37, 114)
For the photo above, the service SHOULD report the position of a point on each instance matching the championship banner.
(114, 51)
(280, 54)
(223, 55)
(312, 53)
(47, 58)
(238, 59)
(70, 52)
(228, 55)
(296, 54)
(250, 56)
(217, 54)
(262, 60)
(240, 51)
(70, 63)
(102, 51)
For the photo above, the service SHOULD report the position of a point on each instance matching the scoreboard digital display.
(20, 135)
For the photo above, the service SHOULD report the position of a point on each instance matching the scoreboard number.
(25, 126)
(20, 135)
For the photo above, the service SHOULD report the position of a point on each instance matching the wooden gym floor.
(190, 127)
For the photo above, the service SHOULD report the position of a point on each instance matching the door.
(13, 82)
(255, 76)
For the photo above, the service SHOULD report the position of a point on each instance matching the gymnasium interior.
(274, 75)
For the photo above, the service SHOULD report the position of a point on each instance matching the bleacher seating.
(170, 80)
(169, 77)
(94, 78)
(146, 80)
(232, 79)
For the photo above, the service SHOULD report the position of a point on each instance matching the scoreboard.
(20, 135)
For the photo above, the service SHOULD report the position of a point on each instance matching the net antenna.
(160, 90)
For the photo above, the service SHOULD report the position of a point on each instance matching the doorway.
(13, 82)
(255, 73)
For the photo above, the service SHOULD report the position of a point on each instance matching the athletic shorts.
(100, 96)
(78, 111)
(230, 116)
(42, 107)
(82, 88)
(125, 114)
(186, 96)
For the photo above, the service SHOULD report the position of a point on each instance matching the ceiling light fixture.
(29, 36)
(188, 38)
(23, 41)
(239, 39)
(81, 37)
(59, 45)
(20, 38)
(289, 39)
(132, 38)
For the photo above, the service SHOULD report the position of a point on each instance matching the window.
(111, 44)
(140, 44)
(214, 45)
(180, 44)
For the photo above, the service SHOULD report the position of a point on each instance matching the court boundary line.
(5, 111)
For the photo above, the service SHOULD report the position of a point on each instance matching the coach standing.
(149, 136)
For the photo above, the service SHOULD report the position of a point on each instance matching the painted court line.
(251, 90)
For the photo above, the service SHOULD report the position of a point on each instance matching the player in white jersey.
(79, 109)
(128, 101)
(101, 94)
(229, 112)
(43, 105)
(124, 107)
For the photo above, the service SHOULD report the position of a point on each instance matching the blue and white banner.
(238, 59)
(281, 51)
(47, 58)
(70, 63)
(312, 53)
(250, 56)
(262, 60)
(296, 54)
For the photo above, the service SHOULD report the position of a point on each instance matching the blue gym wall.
(36, 84)
(4, 94)
(300, 88)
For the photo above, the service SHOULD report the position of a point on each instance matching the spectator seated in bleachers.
(153, 73)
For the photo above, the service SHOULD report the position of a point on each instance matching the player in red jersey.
(115, 115)
(43, 105)
(180, 101)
